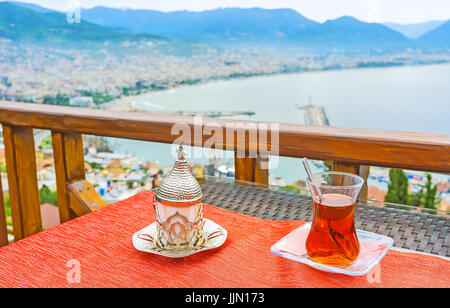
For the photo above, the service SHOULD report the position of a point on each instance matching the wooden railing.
(350, 150)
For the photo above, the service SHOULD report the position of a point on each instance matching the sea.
(407, 98)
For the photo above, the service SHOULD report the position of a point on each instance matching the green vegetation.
(45, 194)
(8, 211)
(378, 64)
(429, 196)
(24, 100)
(415, 199)
(7, 206)
(240, 75)
(46, 143)
(398, 188)
(126, 90)
(190, 81)
(398, 192)
(48, 196)
(25, 25)
(98, 98)
(291, 189)
(95, 165)
(143, 87)
(59, 99)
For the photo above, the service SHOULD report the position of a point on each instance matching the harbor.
(314, 115)
(212, 114)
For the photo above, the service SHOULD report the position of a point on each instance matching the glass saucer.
(373, 247)
(213, 236)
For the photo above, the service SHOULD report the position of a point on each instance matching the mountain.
(31, 6)
(349, 31)
(437, 38)
(23, 24)
(225, 27)
(251, 27)
(414, 31)
(229, 25)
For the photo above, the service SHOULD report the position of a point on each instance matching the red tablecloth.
(100, 243)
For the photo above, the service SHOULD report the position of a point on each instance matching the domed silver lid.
(179, 185)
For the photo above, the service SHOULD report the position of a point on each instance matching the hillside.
(350, 32)
(414, 31)
(284, 29)
(255, 26)
(22, 24)
(438, 38)
(232, 25)
(31, 6)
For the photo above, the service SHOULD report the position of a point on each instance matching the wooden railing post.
(22, 180)
(69, 166)
(70, 177)
(3, 230)
(251, 169)
(361, 170)
(262, 169)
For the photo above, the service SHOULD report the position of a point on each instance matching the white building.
(82, 101)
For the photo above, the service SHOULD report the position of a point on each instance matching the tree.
(398, 187)
(328, 165)
(126, 91)
(429, 198)
(8, 210)
(2, 168)
(415, 199)
(59, 99)
(46, 143)
(49, 100)
(48, 196)
(62, 99)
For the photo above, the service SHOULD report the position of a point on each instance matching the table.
(95, 250)
(410, 229)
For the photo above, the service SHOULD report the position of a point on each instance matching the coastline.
(264, 92)
(126, 103)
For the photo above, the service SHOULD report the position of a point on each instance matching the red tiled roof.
(50, 215)
(375, 193)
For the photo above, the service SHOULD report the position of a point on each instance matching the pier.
(314, 115)
(213, 114)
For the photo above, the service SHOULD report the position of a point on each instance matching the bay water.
(409, 98)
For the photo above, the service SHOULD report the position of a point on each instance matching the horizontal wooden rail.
(385, 148)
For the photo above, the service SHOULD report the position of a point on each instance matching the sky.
(400, 11)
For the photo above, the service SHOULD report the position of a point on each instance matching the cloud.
(374, 11)
(403, 11)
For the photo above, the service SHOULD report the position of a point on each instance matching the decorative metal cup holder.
(180, 229)
(212, 236)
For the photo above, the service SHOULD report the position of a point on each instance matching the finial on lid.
(181, 153)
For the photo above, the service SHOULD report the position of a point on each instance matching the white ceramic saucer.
(373, 247)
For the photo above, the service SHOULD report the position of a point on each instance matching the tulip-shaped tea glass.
(332, 239)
